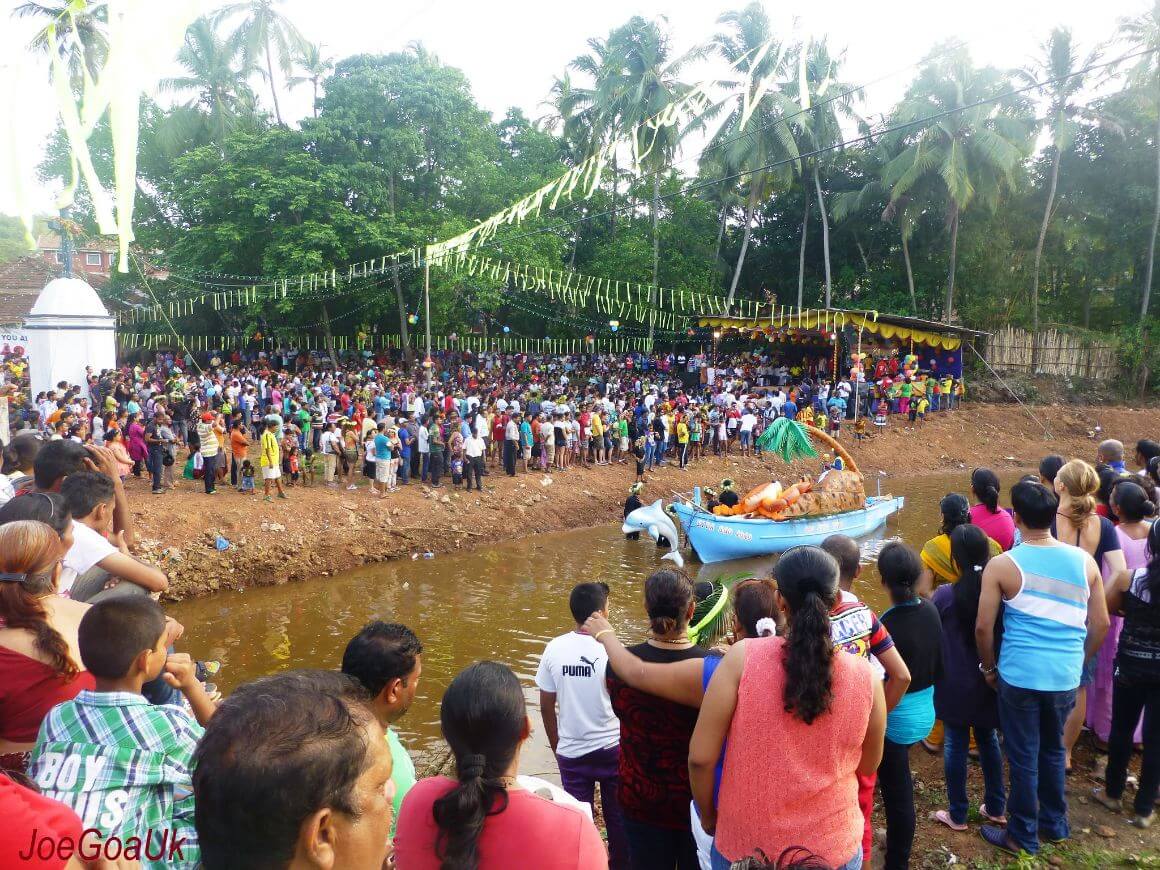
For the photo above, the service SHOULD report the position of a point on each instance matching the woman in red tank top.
(38, 637)
(801, 722)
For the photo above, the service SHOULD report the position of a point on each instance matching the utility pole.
(430, 363)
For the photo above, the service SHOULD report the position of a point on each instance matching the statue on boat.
(772, 518)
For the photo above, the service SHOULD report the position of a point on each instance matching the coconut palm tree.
(1144, 83)
(569, 114)
(750, 145)
(964, 129)
(825, 101)
(216, 71)
(316, 67)
(903, 211)
(640, 78)
(1060, 70)
(263, 33)
(87, 21)
(593, 109)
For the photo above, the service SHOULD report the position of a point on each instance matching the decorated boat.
(772, 519)
(717, 538)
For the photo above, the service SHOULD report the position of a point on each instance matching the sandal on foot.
(945, 818)
(998, 838)
(1100, 796)
(995, 820)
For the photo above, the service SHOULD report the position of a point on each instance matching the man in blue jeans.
(584, 733)
(1054, 616)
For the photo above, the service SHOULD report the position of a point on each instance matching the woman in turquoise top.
(916, 628)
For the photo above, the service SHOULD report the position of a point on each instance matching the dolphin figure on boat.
(653, 520)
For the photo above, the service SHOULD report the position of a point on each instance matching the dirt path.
(321, 531)
(1099, 839)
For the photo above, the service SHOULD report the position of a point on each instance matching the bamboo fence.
(1060, 353)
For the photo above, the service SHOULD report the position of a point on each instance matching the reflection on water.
(502, 602)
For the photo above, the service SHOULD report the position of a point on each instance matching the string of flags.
(644, 303)
(385, 341)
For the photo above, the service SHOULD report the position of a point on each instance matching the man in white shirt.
(748, 421)
(329, 444)
(474, 449)
(584, 733)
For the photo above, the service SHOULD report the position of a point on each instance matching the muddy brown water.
(501, 602)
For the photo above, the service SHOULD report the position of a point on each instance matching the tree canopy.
(945, 207)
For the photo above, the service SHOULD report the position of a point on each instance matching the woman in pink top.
(485, 820)
(801, 721)
(987, 515)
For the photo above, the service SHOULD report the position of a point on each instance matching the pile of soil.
(320, 531)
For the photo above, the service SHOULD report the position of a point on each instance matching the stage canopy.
(780, 322)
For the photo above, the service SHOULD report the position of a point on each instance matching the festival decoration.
(656, 523)
(645, 303)
(639, 140)
(857, 370)
(614, 325)
(141, 38)
(412, 319)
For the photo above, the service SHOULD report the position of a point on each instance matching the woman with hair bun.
(938, 566)
(1078, 524)
(802, 721)
(987, 515)
(1135, 510)
(483, 819)
(654, 734)
(38, 637)
(686, 681)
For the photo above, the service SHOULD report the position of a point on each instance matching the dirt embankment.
(320, 531)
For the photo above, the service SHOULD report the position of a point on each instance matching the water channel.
(502, 602)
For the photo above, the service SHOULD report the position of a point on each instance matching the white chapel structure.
(68, 328)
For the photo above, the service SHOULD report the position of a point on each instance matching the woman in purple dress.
(138, 450)
(1133, 506)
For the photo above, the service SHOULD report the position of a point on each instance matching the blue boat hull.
(717, 539)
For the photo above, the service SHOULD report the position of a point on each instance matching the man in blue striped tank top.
(1054, 616)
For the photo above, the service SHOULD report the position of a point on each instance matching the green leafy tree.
(263, 34)
(87, 21)
(216, 72)
(315, 67)
(1062, 78)
(973, 145)
(826, 102)
(1143, 81)
(747, 146)
(641, 78)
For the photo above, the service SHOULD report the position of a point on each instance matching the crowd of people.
(288, 420)
(761, 746)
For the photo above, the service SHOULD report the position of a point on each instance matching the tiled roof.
(29, 273)
(51, 242)
(21, 281)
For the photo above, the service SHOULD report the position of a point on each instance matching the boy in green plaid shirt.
(122, 764)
